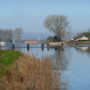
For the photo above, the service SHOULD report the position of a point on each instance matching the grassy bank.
(29, 73)
(7, 58)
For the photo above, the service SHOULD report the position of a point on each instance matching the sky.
(31, 14)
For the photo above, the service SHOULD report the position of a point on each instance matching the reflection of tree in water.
(61, 61)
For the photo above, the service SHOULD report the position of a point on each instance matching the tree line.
(9, 35)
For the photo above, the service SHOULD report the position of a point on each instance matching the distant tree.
(59, 25)
(17, 34)
(53, 39)
(9, 35)
(6, 35)
(50, 39)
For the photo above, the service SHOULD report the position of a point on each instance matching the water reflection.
(28, 49)
(83, 49)
(42, 48)
(60, 58)
(61, 62)
(48, 48)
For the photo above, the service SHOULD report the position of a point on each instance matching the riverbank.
(27, 73)
(7, 58)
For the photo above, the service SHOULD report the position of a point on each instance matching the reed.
(29, 73)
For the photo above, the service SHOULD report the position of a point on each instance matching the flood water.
(72, 63)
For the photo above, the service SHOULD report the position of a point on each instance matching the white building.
(83, 38)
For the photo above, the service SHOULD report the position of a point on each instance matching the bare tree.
(6, 35)
(58, 24)
(17, 34)
(9, 35)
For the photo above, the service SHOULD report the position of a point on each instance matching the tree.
(6, 35)
(59, 25)
(50, 38)
(17, 34)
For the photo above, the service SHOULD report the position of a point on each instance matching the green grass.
(3, 71)
(7, 57)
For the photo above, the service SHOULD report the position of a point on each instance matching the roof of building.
(82, 38)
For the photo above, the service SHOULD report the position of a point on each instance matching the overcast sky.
(30, 14)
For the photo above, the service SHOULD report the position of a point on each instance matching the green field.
(7, 58)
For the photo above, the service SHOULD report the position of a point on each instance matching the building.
(83, 38)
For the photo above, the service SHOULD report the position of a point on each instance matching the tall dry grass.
(29, 73)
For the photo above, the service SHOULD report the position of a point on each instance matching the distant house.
(83, 38)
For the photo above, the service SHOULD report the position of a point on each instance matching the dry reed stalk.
(29, 73)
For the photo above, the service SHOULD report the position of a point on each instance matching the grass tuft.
(7, 58)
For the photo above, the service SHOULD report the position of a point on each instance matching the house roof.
(82, 38)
